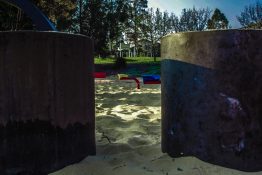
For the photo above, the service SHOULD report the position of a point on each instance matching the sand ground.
(128, 136)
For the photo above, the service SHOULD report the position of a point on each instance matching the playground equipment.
(39, 19)
(127, 77)
(147, 79)
(151, 79)
(100, 75)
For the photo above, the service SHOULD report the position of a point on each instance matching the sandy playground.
(128, 129)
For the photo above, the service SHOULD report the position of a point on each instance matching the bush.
(120, 63)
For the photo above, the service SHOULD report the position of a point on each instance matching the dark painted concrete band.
(211, 97)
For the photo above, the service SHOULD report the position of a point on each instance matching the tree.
(157, 25)
(77, 24)
(251, 17)
(174, 23)
(191, 20)
(60, 12)
(117, 16)
(165, 24)
(152, 29)
(202, 16)
(218, 20)
(102, 20)
(94, 24)
(134, 26)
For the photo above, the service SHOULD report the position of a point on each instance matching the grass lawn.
(130, 60)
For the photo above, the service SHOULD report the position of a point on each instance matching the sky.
(231, 8)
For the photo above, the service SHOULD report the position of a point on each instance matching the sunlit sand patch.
(128, 130)
(130, 112)
(123, 99)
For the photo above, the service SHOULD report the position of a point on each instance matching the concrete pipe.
(212, 97)
(46, 101)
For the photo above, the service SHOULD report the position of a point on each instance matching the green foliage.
(94, 24)
(218, 21)
(104, 60)
(116, 18)
(251, 16)
(142, 60)
(194, 19)
(137, 12)
(58, 11)
(129, 60)
(102, 20)
(152, 29)
(111, 22)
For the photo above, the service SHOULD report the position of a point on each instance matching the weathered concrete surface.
(46, 101)
(212, 98)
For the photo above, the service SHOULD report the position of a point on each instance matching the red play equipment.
(152, 82)
(100, 75)
(127, 77)
(132, 78)
(147, 79)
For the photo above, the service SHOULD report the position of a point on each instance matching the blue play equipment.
(151, 79)
(39, 19)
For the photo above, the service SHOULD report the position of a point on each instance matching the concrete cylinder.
(212, 98)
(46, 101)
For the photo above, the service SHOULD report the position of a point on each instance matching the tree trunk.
(154, 52)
